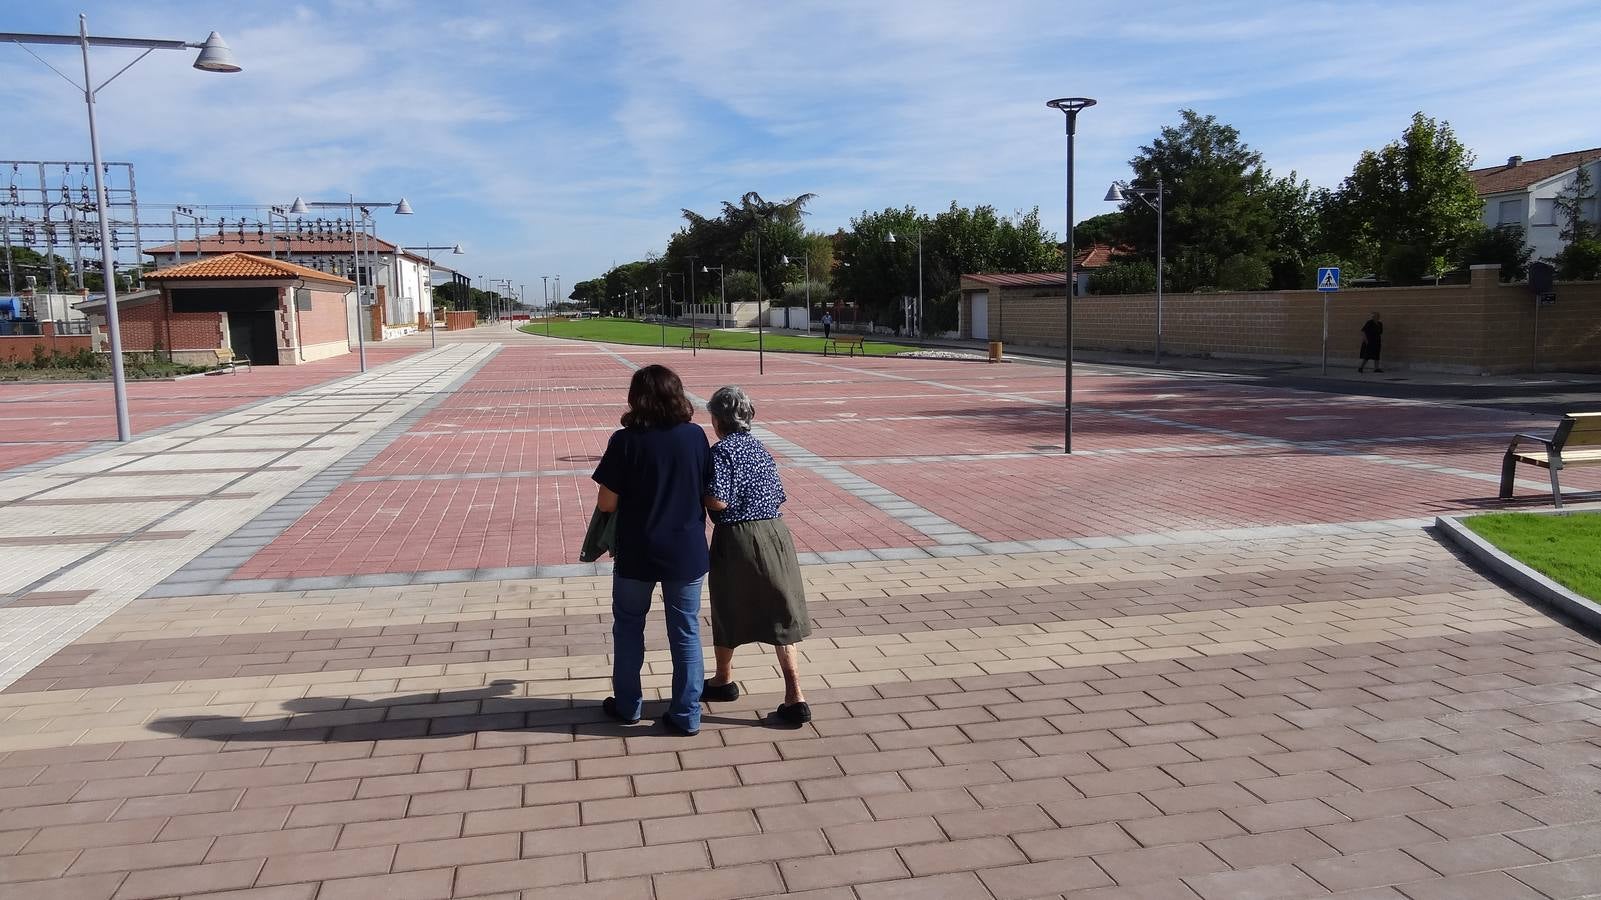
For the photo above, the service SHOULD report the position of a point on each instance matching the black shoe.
(719, 693)
(610, 706)
(1378, 370)
(675, 728)
(795, 713)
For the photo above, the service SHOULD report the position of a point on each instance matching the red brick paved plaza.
(338, 645)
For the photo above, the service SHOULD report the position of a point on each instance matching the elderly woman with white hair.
(755, 580)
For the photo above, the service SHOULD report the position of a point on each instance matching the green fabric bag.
(601, 536)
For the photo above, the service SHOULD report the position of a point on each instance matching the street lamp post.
(761, 350)
(691, 270)
(544, 281)
(806, 259)
(680, 305)
(1070, 107)
(214, 56)
(1120, 191)
(889, 238)
(722, 291)
(433, 338)
(357, 231)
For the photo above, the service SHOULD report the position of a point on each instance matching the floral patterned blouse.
(745, 477)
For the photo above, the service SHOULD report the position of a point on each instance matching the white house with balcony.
(1524, 192)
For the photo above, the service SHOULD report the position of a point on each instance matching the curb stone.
(1519, 575)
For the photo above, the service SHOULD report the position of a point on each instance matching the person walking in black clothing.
(1372, 341)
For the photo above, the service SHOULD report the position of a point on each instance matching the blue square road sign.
(1328, 278)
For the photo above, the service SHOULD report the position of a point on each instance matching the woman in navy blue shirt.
(652, 475)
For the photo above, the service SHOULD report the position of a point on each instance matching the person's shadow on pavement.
(431, 714)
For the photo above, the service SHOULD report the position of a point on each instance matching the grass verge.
(628, 331)
(86, 366)
(1564, 548)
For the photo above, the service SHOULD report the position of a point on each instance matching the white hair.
(732, 408)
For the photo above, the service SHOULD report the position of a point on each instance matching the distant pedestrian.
(756, 590)
(653, 474)
(828, 324)
(1372, 343)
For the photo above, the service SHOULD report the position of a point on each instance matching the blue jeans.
(630, 601)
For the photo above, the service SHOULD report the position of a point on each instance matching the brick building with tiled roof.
(398, 282)
(269, 311)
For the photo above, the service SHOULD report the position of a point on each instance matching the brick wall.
(325, 322)
(1483, 326)
(19, 348)
(145, 327)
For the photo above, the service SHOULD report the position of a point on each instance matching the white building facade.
(1524, 192)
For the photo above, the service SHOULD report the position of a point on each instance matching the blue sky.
(560, 137)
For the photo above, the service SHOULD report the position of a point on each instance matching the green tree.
(1243, 272)
(1124, 276)
(591, 293)
(1503, 245)
(1407, 208)
(770, 229)
(1295, 212)
(1580, 261)
(1107, 228)
(1217, 205)
(1573, 204)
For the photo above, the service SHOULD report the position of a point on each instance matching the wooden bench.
(1577, 442)
(697, 341)
(227, 360)
(849, 344)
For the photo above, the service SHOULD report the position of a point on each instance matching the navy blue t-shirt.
(658, 475)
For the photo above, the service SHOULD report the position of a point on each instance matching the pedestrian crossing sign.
(1328, 278)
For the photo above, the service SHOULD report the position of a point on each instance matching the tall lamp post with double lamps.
(402, 208)
(1070, 107)
(1121, 191)
(433, 339)
(214, 56)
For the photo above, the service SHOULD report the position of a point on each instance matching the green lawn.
(1565, 548)
(628, 331)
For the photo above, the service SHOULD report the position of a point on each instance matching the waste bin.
(995, 351)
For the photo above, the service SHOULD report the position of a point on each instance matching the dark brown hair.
(656, 399)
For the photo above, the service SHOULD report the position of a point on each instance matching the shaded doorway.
(251, 336)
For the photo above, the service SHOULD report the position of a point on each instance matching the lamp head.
(889, 237)
(1070, 105)
(1114, 194)
(402, 208)
(215, 56)
(299, 208)
(456, 250)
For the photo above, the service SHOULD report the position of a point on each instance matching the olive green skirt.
(756, 590)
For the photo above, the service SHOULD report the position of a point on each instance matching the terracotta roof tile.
(1497, 179)
(1088, 259)
(1017, 279)
(241, 266)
